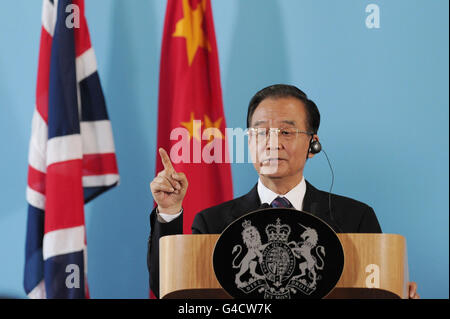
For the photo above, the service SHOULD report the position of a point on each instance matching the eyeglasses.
(282, 133)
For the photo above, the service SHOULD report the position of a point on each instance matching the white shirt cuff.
(167, 218)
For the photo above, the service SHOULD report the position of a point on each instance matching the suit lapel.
(309, 199)
(313, 203)
(317, 204)
(247, 203)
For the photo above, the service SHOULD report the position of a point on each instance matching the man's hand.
(168, 187)
(412, 290)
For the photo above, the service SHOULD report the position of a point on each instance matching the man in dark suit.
(283, 125)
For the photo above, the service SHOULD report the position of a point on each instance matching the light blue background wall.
(382, 93)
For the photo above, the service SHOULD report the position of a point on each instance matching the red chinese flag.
(191, 122)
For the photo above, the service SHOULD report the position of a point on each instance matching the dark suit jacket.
(347, 216)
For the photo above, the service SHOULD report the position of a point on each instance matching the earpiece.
(314, 147)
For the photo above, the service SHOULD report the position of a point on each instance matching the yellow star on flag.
(216, 133)
(191, 126)
(190, 27)
(195, 131)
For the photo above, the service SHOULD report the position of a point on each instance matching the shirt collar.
(295, 195)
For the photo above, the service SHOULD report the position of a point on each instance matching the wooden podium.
(375, 266)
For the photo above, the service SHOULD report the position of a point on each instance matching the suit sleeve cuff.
(167, 218)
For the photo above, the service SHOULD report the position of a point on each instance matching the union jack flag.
(71, 154)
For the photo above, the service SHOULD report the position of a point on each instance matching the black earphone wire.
(332, 180)
(329, 193)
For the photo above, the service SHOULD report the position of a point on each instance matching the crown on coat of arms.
(246, 224)
(278, 232)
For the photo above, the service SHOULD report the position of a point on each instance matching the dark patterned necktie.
(281, 202)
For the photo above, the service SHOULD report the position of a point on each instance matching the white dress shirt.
(295, 195)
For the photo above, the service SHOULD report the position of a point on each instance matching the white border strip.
(49, 16)
(38, 292)
(86, 64)
(38, 143)
(97, 137)
(100, 180)
(63, 241)
(35, 198)
(64, 148)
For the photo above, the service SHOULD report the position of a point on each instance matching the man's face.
(279, 157)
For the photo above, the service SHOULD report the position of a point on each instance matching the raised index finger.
(166, 160)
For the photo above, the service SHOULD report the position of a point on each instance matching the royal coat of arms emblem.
(289, 260)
